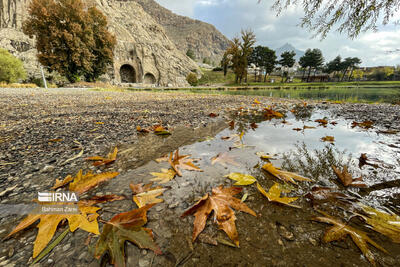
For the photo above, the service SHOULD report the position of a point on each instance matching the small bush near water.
(11, 68)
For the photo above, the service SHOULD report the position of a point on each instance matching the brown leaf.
(182, 162)
(220, 202)
(322, 122)
(340, 231)
(346, 178)
(142, 130)
(253, 125)
(284, 175)
(102, 199)
(145, 195)
(60, 183)
(363, 161)
(83, 183)
(328, 139)
(322, 194)
(212, 115)
(232, 125)
(223, 158)
(365, 124)
(104, 161)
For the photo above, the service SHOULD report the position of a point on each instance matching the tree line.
(241, 53)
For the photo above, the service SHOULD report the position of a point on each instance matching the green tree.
(225, 61)
(190, 54)
(70, 38)
(354, 62)
(287, 61)
(351, 17)
(312, 60)
(11, 68)
(264, 58)
(334, 66)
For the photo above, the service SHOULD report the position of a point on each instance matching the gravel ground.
(40, 130)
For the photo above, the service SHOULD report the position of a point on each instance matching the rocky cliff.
(144, 53)
(202, 38)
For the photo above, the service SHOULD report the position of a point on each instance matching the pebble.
(144, 262)
(66, 247)
(48, 168)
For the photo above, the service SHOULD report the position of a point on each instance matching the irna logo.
(57, 197)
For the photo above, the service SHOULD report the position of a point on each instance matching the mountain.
(287, 48)
(144, 53)
(200, 37)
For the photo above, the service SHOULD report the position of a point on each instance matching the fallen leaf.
(102, 199)
(241, 179)
(388, 131)
(127, 226)
(83, 183)
(159, 130)
(56, 140)
(223, 158)
(220, 202)
(144, 195)
(99, 122)
(284, 175)
(232, 125)
(164, 176)
(346, 178)
(270, 113)
(308, 127)
(333, 123)
(339, 231)
(274, 195)
(322, 122)
(49, 222)
(182, 162)
(365, 124)
(60, 183)
(212, 115)
(320, 194)
(328, 139)
(142, 130)
(253, 125)
(264, 156)
(385, 223)
(256, 101)
(297, 129)
(98, 161)
(163, 158)
(363, 161)
(75, 157)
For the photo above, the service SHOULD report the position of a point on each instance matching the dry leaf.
(127, 226)
(283, 175)
(363, 161)
(223, 158)
(328, 139)
(142, 130)
(159, 130)
(346, 178)
(83, 183)
(256, 101)
(220, 202)
(270, 113)
(182, 162)
(104, 161)
(49, 222)
(322, 121)
(339, 231)
(364, 124)
(102, 199)
(164, 176)
(60, 183)
(212, 115)
(274, 195)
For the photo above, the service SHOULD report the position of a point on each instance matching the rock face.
(202, 38)
(143, 54)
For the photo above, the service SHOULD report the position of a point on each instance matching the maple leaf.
(142, 130)
(98, 161)
(363, 161)
(325, 194)
(223, 158)
(274, 195)
(85, 220)
(164, 176)
(322, 122)
(182, 162)
(126, 226)
(256, 101)
(253, 125)
(241, 179)
(284, 175)
(364, 124)
(220, 202)
(144, 195)
(339, 231)
(83, 183)
(270, 113)
(60, 183)
(385, 223)
(159, 130)
(347, 180)
(328, 139)
(102, 199)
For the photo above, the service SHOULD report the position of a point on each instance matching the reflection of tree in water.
(302, 113)
(315, 164)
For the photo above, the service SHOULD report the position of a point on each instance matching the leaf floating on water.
(241, 179)
(83, 183)
(328, 138)
(221, 202)
(223, 158)
(99, 122)
(347, 180)
(98, 161)
(127, 226)
(270, 113)
(144, 195)
(339, 231)
(264, 156)
(322, 122)
(322, 194)
(363, 161)
(49, 222)
(274, 195)
(253, 125)
(232, 125)
(385, 223)
(164, 176)
(365, 124)
(297, 129)
(308, 127)
(182, 162)
(284, 175)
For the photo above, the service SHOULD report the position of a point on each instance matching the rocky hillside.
(202, 38)
(143, 48)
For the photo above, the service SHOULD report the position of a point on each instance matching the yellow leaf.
(256, 101)
(283, 175)
(241, 179)
(104, 161)
(60, 183)
(99, 122)
(83, 183)
(328, 139)
(274, 195)
(163, 177)
(144, 195)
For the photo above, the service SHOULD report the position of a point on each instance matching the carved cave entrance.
(149, 79)
(127, 73)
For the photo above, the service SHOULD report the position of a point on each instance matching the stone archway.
(149, 79)
(127, 73)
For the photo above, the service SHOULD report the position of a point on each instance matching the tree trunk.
(265, 77)
(344, 74)
(309, 73)
(351, 74)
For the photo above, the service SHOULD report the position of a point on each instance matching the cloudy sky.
(229, 16)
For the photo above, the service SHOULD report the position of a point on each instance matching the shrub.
(11, 68)
(191, 78)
